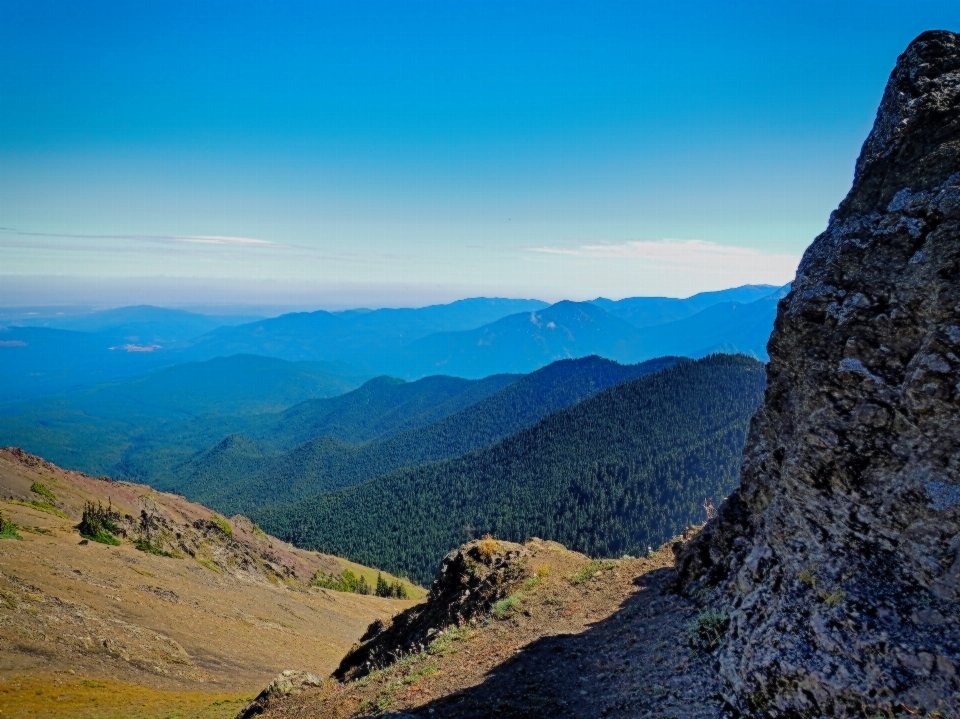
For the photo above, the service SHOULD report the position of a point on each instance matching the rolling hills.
(613, 474)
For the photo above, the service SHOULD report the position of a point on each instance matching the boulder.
(288, 683)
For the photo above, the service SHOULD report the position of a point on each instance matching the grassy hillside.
(168, 610)
(241, 475)
(614, 474)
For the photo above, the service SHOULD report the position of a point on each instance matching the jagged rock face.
(840, 554)
(471, 579)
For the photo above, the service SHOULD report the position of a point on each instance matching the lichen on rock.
(838, 556)
(289, 682)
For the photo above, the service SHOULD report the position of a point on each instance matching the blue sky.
(399, 153)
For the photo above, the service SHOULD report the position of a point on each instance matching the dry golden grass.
(154, 636)
(488, 547)
(63, 695)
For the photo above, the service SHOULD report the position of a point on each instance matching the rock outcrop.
(289, 682)
(839, 557)
(471, 580)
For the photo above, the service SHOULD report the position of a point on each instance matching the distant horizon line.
(226, 307)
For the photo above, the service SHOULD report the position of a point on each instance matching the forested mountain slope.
(241, 474)
(614, 474)
(94, 429)
(382, 406)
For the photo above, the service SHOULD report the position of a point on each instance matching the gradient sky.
(400, 153)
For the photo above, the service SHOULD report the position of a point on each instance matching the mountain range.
(471, 338)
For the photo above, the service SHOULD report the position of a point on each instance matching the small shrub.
(43, 491)
(222, 524)
(213, 567)
(424, 671)
(40, 505)
(586, 573)
(542, 571)
(506, 607)
(99, 524)
(806, 577)
(444, 644)
(832, 599)
(391, 590)
(144, 545)
(488, 546)
(8, 530)
(708, 629)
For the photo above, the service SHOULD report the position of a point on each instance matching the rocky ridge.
(839, 556)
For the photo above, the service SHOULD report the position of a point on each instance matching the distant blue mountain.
(651, 311)
(368, 338)
(470, 338)
(527, 341)
(524, 342)
(142, 324)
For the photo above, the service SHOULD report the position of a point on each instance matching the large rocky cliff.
(839, 557)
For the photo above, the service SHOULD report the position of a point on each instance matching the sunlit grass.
(57, 697)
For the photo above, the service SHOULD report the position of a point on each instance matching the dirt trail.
(572, 638)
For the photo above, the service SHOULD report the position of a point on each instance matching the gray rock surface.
(471, 580)
(289, 682)
(838, 557)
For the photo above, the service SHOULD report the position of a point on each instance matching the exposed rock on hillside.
(839, 554)
(471, 579)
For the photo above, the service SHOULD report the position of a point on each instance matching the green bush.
(144, 545)
(8, 530)
(506, 607)
(708, 629)
(40, 505)
(223, 524)
(43, 491)
(586, 573)
(394, 590)
(99, 524)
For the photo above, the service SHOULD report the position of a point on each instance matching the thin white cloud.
(191, 239)
(697, 255)
(553, 251)
(221, 240)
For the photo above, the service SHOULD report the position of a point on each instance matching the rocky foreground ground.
(530, 630)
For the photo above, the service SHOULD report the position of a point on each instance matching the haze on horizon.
(401, 154)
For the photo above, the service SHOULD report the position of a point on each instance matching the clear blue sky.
(396, 153)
